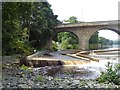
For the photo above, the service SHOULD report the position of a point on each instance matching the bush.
(110, 76)
(40, 78)
(64, 44)
(18, 47)
(69, 46)
(23, 67)
(54, 46)
(93, 46)
(75, 46)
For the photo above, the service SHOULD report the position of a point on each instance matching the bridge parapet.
(98, 23)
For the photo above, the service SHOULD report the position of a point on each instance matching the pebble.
(15, 77)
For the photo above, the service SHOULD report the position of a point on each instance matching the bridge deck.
(98, 23)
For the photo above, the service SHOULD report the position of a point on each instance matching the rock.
(21, 81)
(75, 82)
(37, 84)
(12, 80)
(22, 86)
(49, 78)
(60, 86)
(48, 54)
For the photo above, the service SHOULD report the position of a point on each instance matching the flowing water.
(90, 70)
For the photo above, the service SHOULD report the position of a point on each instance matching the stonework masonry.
(84, 30)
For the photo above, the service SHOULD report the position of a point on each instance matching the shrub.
(40, 78)
(110, 76)
(54, 46)
(23, 67)
(75, 46)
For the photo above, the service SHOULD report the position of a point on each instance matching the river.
(91, 70)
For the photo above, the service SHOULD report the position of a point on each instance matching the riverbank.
(15, 77)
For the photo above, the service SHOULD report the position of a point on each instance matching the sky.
(87, 11)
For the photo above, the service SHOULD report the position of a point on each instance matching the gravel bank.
(15, 77)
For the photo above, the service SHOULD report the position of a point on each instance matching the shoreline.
(15, 77)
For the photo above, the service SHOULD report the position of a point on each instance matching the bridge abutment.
(83, 44)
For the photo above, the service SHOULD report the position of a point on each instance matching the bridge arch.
(114, 30)
(111, 29)
(73, 33)
(55, 33)
(85, 30)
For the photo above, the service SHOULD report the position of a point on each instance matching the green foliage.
(26, 24)
(93, 46)
(117, 66)
(72, 19)
(103, 41)
(43, 22)
(54, 46)
(23, 67)
(56, 78)
(116, 42)
(110, 76)
(64, 44)
(40, 78)
(67, 40)
(96, 42)
(14, 31)
(94, 38)
(93, 41)
(75, 46)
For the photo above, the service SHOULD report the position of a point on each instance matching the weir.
(63, 64)
(58, 58)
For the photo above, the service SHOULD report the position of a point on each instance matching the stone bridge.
(84, 30)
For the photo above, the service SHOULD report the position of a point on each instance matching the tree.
(94, 38)
(67, 40)
(103, 42)
(93, 41)
(12, 38)
(25, 24)
(72, 19)
(43, 22)
(96, 42)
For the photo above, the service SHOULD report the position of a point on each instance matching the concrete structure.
(85, 30)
